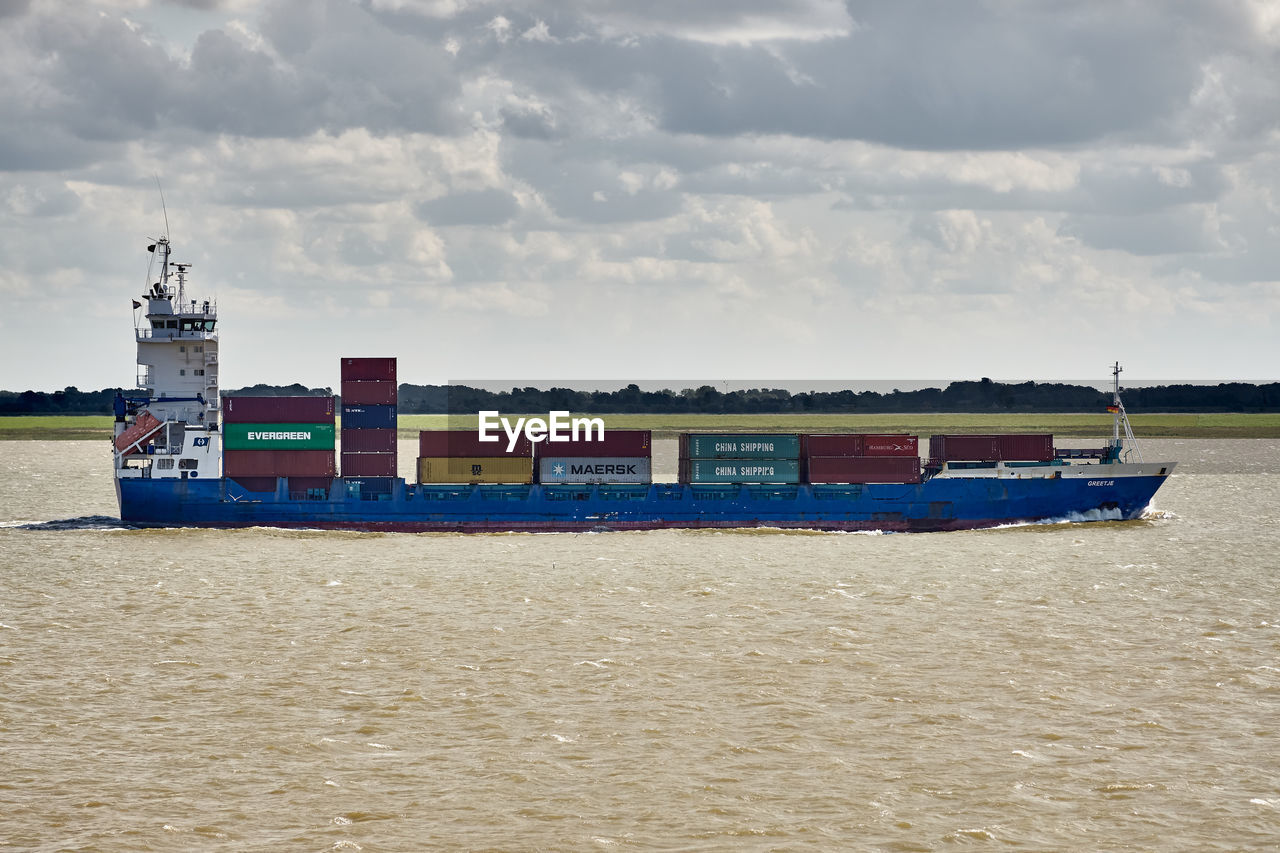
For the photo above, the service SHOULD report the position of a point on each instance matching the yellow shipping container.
(474, 469)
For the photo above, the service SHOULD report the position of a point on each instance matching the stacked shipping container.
(860, 458)
(786, 458)
(620, 456)
(1017, 447)
(369, 399)
(459, 456)
(739, 458)
(264, 438)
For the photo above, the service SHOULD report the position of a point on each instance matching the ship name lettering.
(1102, 482)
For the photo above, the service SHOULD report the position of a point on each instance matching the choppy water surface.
(1075, 687)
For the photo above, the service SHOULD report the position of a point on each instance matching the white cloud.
(792, 183)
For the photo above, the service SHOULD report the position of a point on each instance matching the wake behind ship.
(184, 455)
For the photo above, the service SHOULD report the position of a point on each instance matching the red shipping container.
(368, 441)
(369, 464)
(368, 368)
(859, 444)
(368, 392)
(974, 448)
(891, 445)
(1013, 447)
(1031, 447)
(302, 484)
(438, 443)
(255, 484)
(863, 469)
(834, 444)
(277, 463)
(277, 410)
(617, 442)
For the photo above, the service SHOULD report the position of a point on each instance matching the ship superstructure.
(168, 429)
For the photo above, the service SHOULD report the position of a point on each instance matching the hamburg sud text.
(558, 426)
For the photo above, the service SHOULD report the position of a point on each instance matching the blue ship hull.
(937, 504)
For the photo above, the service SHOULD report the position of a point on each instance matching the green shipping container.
(739, 446)
(740, 471)
(277, 436)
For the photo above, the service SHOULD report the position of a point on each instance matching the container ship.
(185, 455)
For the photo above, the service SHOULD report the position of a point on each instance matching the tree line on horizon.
(984, 396)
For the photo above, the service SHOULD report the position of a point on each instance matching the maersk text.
(603, 470)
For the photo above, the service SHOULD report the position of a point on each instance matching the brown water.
(1108, 686)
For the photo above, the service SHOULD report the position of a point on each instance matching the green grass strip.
(82, 427)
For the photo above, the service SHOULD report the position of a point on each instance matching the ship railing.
(176, 334)
(1082, 452)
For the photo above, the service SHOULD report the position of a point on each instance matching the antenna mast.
(1115, 402)
(163, 208)
(1120, 416)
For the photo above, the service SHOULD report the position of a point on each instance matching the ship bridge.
(169, 427)
(177, 347)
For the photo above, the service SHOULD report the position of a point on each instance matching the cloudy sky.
(611, 189)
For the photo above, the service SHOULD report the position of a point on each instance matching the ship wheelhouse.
(169, 426)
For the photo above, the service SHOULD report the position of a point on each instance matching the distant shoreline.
(1097, 426)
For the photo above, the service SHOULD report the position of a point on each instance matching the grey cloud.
(481, 207)
(951, 76)
(54, 201)
(104, 82)
(929, 76)
(37, 146)
(1144, 188)
(1259, 262)
(681, 15)
(369, 75)
(66, 94)
(100, 80)
(298, 187)
(233, 89)
(358, 250)
(529, 123)
(1107, 187)
(1161, 233)
(202, 5)
(588, 188)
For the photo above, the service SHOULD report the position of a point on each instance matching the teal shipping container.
(236, 436)
(739, 446)
(739, 471)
